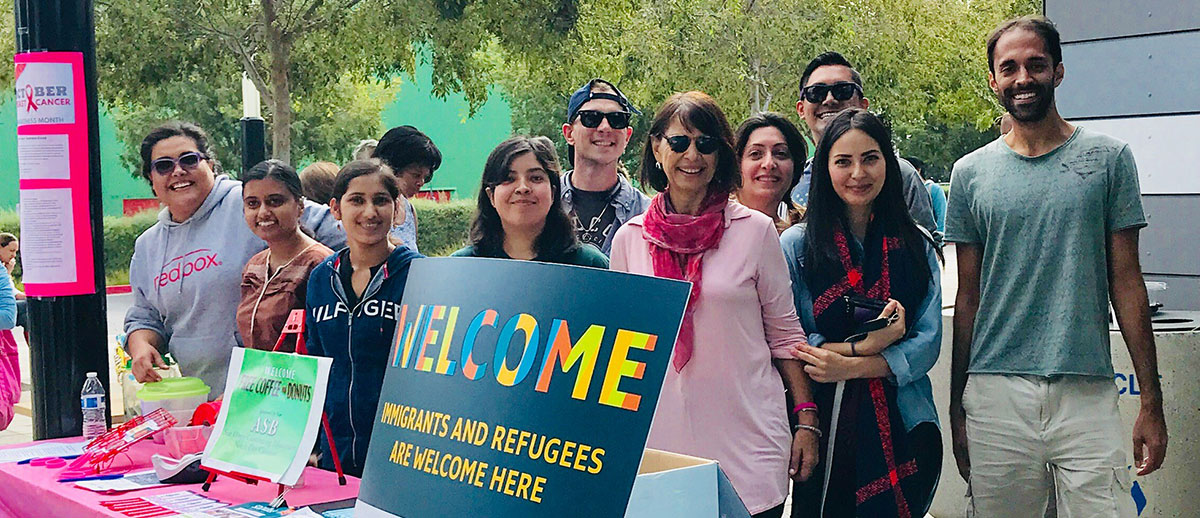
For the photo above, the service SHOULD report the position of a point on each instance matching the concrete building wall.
(1131, 72)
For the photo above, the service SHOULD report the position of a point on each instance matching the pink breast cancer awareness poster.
(52, 158)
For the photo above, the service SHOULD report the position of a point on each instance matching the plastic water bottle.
(94, 407)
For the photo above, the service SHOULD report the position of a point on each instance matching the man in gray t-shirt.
(1045, 222)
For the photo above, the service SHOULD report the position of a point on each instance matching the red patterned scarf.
(677, 245)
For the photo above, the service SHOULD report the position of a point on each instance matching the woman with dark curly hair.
(186, 270)
(769, 147)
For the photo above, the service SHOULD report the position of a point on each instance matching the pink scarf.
(680, 239)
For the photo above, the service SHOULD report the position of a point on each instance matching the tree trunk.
(281, 99)
(279, 45)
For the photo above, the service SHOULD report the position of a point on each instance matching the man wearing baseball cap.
(596, 196)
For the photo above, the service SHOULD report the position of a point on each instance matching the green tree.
(303, 55)
(922, 60)
(294, 51)
(8, 45)
(327, 128)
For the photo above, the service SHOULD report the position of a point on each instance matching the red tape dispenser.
(100, 452)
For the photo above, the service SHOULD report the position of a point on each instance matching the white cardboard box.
(671, 485)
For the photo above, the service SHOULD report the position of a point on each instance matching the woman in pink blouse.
(723, 397)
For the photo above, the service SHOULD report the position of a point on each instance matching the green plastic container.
(172, 388)
(180, 396)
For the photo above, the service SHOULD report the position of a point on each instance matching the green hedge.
(443, 229)
(119, 236)
(120, 233)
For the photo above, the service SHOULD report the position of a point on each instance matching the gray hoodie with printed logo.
(186, 279)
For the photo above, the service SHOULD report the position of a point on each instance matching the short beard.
(1030, 113)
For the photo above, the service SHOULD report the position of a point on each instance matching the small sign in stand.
(272, 401)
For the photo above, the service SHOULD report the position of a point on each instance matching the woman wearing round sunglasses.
(866, 284)
(186, 270)
(768, 147)
(520, 214)
(723, 397)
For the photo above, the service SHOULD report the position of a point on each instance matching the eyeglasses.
(188, 161)
(841, 91)
(592, 118)
(704, 144)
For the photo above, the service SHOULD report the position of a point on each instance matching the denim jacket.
(909, 359)
(628, 201)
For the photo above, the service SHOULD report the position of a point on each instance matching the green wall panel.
(464, 142)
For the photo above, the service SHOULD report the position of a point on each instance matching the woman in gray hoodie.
(187, 268)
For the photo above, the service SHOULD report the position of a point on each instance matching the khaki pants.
(1028, 436)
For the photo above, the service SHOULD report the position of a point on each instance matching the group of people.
(815, 311)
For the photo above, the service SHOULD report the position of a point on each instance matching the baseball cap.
(585, 94)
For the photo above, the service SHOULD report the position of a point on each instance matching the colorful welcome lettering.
(473, 370)
(560, 350)
(527, 324)
(560, 354)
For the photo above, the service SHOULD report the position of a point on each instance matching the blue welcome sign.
(518, 389)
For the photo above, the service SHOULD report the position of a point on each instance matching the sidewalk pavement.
(21, 428)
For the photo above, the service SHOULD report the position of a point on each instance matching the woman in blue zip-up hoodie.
(352, 304)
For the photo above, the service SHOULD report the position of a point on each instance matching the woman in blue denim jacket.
(859, 248)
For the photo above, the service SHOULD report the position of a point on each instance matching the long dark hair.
(696, 111)
(827, 210)
(175, 129)
(487, 232)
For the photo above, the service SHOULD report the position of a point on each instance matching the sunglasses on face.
(188, 161)
(841, 91)
(704, 144)
(592, 118)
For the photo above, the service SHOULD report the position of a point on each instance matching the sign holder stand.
(293, 326)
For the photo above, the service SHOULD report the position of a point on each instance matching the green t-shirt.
(583, 255)
(1043, 224)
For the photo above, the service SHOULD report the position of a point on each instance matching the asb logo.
(185, 265)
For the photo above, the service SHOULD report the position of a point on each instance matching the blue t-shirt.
(1043, 224)
(937, 199)
(407, 231)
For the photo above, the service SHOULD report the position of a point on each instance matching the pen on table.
(98, 477)
(68, 457)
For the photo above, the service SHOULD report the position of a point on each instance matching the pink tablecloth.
(34, 492)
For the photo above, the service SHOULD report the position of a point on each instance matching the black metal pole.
(68, 335)
(254, 141)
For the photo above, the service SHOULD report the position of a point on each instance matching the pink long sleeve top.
(727, 403)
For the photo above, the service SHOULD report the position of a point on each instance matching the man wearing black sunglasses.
(828, 86)
(598, 198)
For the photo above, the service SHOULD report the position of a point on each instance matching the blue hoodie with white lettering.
(186, 278)
(359, 340)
